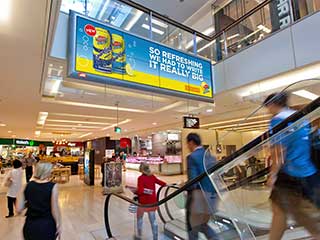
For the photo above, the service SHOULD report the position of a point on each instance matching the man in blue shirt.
(202, 198)
(293, 176)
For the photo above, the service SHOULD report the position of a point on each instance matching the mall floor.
(82, 210)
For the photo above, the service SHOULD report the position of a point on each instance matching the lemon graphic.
(129, 70)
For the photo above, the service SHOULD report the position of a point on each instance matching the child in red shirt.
(146, 192)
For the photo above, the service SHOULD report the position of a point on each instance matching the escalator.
(243, 210)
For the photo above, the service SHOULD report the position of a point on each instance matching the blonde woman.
(147, 194)
(43, 213)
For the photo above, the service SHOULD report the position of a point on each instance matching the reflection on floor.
(82, 210)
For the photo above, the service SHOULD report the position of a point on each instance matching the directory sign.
(101, 53)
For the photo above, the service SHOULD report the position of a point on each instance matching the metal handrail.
(265, 136)
(189, 29)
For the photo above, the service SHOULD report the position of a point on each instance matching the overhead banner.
(100, 53)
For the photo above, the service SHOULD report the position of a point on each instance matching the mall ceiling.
(82, 110)
(179, 10)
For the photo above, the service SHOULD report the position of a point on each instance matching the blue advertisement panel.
(98, 52)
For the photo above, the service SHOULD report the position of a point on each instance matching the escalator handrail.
(231, 187)
(265, 136)
(166, 205)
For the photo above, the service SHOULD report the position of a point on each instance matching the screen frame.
(72, 73)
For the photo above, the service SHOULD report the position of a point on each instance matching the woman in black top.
(41, 199)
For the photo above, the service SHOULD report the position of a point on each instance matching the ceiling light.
(101, 89)
(155, 30)
(74, 121)
(104, 8)
(170, 106)
(81, 116)
(37, 132)
(70, 126)
(234, 120)
(5, 10)
(231, 37)
(205, 46)
(154, 123)
(9, 131)
(90, 105)
(85, 135)
(264, 28)
(237, 125)
(209, 110)
(115, 125)
(306, 94)
(157, 22)
(134, 20)
(42, 118)
(2, 125)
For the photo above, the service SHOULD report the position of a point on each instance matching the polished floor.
(82, 211)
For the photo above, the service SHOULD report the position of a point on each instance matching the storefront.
(19, 148)
(162, 151)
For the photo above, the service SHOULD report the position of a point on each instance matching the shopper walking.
(202, 198)
(13, 180)
(146, 192)
(294, 179)
(28, 165)
(123, 159)
(43, 213)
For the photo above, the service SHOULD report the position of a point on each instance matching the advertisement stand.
(113, 178)
(89, 167)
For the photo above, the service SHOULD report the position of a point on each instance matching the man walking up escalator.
(294, 178)
(202, 198)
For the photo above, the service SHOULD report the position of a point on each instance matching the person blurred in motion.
(123, 158)
(13, 180)
(28, 163)
(43, 212)
(103, 167)
(293, 177)
(146, 191)
(202, 198)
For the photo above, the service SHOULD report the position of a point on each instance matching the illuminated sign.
(117, 130)
(101, 53)
(191, 122)
(23, 142)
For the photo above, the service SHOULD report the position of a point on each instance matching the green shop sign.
(23, 142)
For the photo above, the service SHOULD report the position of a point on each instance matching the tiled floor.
(82, 211)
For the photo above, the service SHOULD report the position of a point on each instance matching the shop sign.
(191, 122)
(22, 142)
(281, 14)
(71, 144)
(100, 53)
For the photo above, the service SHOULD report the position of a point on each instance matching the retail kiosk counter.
(169, 165)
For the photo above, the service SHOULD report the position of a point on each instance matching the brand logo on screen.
(90, 30)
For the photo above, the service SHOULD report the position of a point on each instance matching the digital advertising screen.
(101, 53)
(86, 166)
